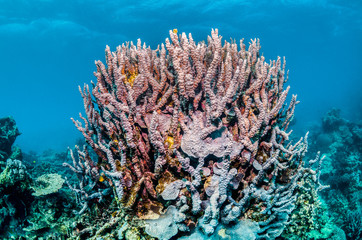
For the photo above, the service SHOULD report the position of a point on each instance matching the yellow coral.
(131, 78)
(170, 141)
(130, 75)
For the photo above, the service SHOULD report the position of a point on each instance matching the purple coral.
(210, 115)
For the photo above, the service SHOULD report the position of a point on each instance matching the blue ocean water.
(48, 48)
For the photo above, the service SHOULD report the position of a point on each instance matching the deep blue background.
(48, 48)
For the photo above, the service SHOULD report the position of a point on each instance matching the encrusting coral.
(198, 131)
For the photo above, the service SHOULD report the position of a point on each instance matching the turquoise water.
(48, 49)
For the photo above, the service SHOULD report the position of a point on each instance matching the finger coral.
(198, 128)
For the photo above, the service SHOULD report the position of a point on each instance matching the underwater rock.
(332, 120)
(14, 172)
(340, 141)
(16, 153)
(15, 195)
(8, 133)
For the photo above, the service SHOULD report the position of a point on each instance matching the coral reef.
(190, 134)
(31, 208)
(14, 180)
(341, 142)
(14, 191)
(8, 133)
(310, 218)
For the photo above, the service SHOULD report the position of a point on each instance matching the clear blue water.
(48, 48)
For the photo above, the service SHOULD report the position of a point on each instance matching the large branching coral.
(201, 127)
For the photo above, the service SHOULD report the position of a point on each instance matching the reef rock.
(8, 133)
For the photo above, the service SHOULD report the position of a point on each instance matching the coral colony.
(192, 138)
